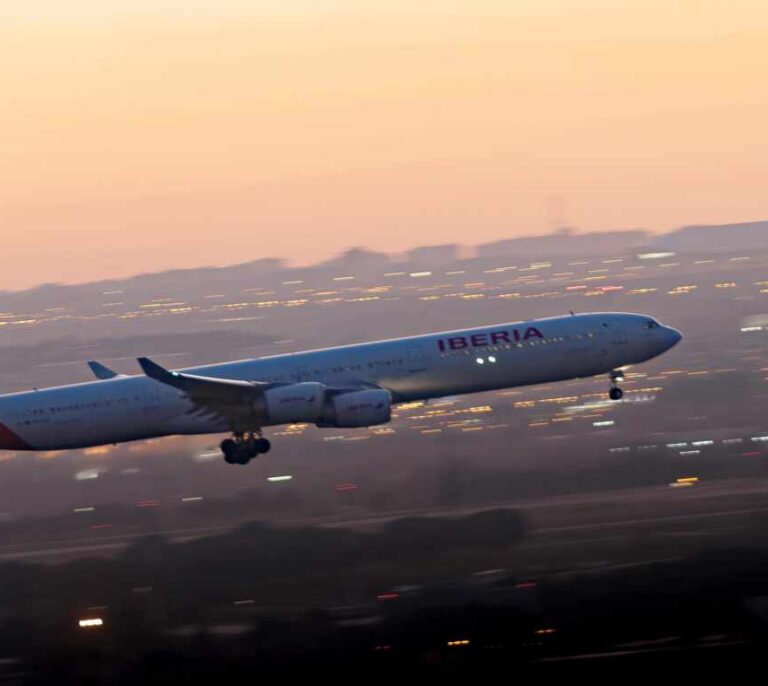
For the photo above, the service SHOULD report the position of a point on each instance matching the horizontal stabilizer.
(101, 371)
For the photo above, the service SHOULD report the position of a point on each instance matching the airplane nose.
(673, 337)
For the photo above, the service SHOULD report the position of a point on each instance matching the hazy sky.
(144, 134)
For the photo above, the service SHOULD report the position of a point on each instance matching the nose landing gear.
(616, 393)
(243, 447)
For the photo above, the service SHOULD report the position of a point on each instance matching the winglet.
(155, 371)
(101, 371)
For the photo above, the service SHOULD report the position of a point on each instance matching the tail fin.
(101, 371)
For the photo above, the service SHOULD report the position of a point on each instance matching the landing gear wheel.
(230, 448)
(617, 376)
(244, 447)
(235, 452)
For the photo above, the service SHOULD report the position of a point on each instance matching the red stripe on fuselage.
(12, 441)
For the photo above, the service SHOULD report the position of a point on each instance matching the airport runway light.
(685, 481)
(285, 477)
(90, 622)
(87, 474)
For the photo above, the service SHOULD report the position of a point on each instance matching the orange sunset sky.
(140, 135)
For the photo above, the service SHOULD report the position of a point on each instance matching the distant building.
(433, 255)
(716, 237)
(565, 243)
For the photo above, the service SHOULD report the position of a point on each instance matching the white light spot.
(480, 360)
(491, 359)
(87, 474)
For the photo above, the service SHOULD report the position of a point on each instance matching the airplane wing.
(204, 387)
(239, 403)
(231, 399)
(101, 371)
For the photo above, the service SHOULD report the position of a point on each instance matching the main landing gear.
(616, 393)
(243, 447)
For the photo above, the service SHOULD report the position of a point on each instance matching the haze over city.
(134, 133)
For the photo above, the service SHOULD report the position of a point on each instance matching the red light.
(345, 488)
(752, 454)
(101, 526)
(527, 584)
(387, 596)
(148, 503)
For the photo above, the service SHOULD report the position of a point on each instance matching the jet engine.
(298, 402)
(358, 408)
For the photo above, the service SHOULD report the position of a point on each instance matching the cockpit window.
(651, 324)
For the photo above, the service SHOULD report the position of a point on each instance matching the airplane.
(343, 387)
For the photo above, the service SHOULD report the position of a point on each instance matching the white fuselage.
(128, 408)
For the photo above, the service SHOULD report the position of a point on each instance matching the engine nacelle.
(298, 402)
(358, 408)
